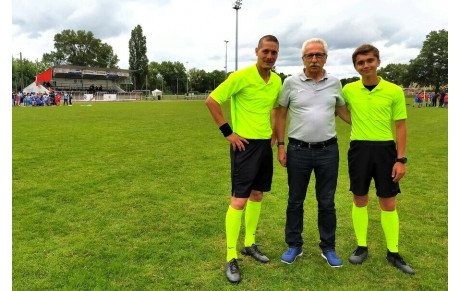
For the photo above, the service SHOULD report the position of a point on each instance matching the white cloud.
(193, 32)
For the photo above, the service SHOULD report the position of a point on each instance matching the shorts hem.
(380, 196)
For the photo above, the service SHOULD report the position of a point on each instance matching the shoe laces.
(234, 265)
(254, 247)
(397, 257)
(331, 254)
(360, 250)
(291, 251)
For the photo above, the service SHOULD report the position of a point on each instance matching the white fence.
(81, 96)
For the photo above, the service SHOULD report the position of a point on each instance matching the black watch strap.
(280, 143)
(402, 160)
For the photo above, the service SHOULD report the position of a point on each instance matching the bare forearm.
(401, 137)
(216, 111)
(280, 123)
(343, 113)
(273, 117)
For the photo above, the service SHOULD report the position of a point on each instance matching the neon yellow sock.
(390, 225)
(251, 219)
(232, 231)
(360, 222)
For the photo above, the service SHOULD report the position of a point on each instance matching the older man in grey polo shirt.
(312, 98)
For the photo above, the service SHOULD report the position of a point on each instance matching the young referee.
(374, 105)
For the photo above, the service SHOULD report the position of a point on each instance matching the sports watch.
(402, 160)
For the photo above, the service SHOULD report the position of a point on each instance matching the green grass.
(132, 196)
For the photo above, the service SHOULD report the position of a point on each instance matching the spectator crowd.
(432, 99)
(41, 99)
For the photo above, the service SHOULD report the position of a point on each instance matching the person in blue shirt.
(28, 100)
(38, 101)
(46, 100)
(21, 99)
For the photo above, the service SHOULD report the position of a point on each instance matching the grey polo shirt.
(311, 106)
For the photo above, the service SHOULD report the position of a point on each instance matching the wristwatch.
(280, 143)
(402, 160)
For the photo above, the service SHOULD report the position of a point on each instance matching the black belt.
(313, 145)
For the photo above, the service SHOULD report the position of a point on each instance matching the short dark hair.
(267, 37)
(364, 50)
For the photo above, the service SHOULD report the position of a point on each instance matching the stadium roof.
(69, 71)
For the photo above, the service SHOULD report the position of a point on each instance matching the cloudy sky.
(193, 32)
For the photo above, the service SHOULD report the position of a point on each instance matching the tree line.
(81, 48)
(428, 69)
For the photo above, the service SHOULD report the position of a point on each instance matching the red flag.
(44, 77)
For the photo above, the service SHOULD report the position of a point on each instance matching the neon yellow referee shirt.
(251, 101)
(372, 112)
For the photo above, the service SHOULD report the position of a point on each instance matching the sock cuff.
(232, 210)
(389, 215)
(359, 208)
(384, 212)
(253, 204)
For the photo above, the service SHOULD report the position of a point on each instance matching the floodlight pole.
(237, 6)
(22, 74)
(186, 76)
(226, 42)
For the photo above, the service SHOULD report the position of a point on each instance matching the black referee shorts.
(369, 160)
(252, 169)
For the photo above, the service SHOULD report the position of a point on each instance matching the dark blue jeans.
(301, 162)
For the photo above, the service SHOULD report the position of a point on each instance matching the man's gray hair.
(311, 40)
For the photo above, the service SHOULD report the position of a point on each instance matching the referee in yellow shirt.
(253, 92)
(375, 105)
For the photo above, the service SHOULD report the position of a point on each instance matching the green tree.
(16, 75)
(214, 79)
(25, 72)
(197, 80)
(282, 75)
(430, 67)
(80, 48)
(138, 61)
(154, 77)
(174, 77)
(395, 73)
(349, 80)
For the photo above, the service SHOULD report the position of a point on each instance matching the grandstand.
(84, 81)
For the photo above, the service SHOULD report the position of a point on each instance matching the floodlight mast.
(22, 74)
(186, 76)
(237, 6)
(226, 42)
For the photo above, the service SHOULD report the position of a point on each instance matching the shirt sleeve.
(283, 98)
(340, 101)
(399, 105)
(226, 89)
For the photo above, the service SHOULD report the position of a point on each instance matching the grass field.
(132, 196)
(176, 97)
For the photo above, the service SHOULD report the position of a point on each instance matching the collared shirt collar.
(270, 81)
(379, 85)
(303, 77)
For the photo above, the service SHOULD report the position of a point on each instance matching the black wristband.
(280, 143)
(226, 129)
